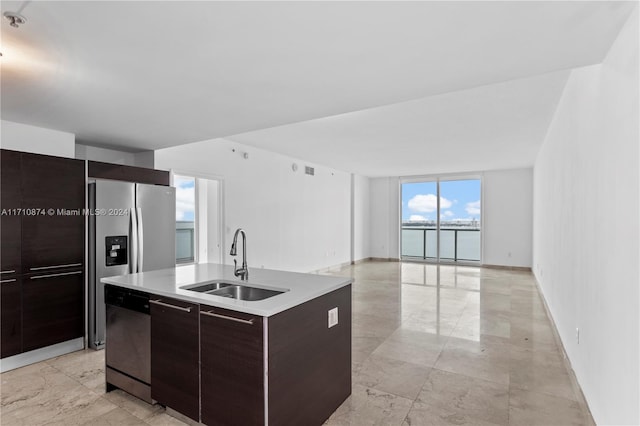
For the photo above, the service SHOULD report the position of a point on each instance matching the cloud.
(417, 218)
(473, 208)
(427, 203)
(447, 215)
(185, 199)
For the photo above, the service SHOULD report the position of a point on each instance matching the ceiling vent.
(309, 170)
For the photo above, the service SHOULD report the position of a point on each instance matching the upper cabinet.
(100, 170)
(10, 221)
(54, 188)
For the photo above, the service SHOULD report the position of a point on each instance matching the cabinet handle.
(56, 275)
(69, 265)
(8, 272)
(7, 281)
(211, 314)
(161, 303)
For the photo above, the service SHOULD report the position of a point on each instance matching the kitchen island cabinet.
(175, 375)
(284, 360)
(232, 367)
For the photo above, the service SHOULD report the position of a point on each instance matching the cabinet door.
(11, 316)
(53, 308)
(10, 220)
(232, 367)
(175, 367)
(55, 238)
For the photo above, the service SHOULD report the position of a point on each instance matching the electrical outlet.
(333, 317)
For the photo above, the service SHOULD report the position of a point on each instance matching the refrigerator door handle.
(140, 239)
(133, 250)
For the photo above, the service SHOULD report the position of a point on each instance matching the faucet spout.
(243, 271)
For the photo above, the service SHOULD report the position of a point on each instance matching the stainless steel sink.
(208, 287)
(233, 290)
(243, 292)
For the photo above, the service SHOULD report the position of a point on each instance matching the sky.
(185, 197)
(459, 199)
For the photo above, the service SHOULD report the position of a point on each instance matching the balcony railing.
(455, 243)
(185, 242)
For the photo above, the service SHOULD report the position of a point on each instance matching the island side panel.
(309, 363)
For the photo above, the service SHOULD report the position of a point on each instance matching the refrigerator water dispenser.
(116, 250)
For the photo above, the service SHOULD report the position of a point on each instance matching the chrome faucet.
(242, 272)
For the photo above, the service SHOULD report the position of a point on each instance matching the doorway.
(199, 219)
(441, 220)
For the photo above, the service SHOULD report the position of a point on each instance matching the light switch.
(333, 317)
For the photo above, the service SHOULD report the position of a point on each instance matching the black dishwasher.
(128, 341)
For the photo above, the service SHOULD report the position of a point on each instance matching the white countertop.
(299, 287)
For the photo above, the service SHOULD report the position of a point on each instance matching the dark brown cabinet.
(10, 220)
(10, 255)
(56, 238)
(53, 309)
(175, 366)
(11, 316)
(232, 367)
(99, 170)
(42, 255)
(208, 363)
(309, 362)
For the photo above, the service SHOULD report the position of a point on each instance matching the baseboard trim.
(37, 355)
(383, 259)
(330, 268)
(582, 401)
(507, 268)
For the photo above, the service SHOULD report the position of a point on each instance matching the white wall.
(86, 152)
(385, 217)
(507, 217)
(293, 221)
(361, 218)
(586, 214)
(202, 208)
(507, 198)
(144, 159)
(139, 159)
(214, 239)
(22, 137)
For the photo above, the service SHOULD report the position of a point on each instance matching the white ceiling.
(390, 87)
(496, 126)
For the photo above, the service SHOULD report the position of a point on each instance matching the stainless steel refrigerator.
(132, 228)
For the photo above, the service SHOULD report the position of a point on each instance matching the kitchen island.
(218, 359)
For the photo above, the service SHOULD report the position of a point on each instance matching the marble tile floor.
(447, 345)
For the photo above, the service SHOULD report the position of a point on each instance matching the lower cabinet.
(52, 309)
(175, 348)
(11, 316)
(232, 367)
(208, 363)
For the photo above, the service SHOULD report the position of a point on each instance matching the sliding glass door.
(441, 220)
